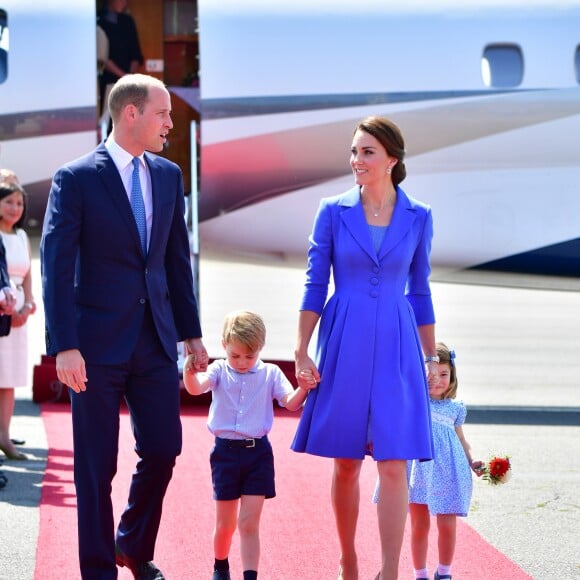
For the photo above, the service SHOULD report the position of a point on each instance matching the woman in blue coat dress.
(376, 333)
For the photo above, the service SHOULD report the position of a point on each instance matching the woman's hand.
(306, 373)
(432, 372)
(19, 318)
(306, 380)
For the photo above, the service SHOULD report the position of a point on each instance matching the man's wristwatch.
(429, 359)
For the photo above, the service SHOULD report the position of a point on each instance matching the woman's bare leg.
(345, 502)
(392, 514)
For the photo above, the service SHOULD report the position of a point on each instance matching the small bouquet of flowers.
(497, 470)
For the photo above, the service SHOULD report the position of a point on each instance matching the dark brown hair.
(7, 188)
(391, 138)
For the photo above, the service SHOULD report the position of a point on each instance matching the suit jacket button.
(142, 301)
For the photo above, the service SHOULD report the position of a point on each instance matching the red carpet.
(297, 532)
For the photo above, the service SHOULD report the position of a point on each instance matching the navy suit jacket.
(4, 283)
(95, 278)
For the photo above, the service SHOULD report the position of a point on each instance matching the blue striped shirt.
(242, 403)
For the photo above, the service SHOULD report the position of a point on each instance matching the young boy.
(240, 416)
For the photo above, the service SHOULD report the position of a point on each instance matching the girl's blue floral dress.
(445, 483)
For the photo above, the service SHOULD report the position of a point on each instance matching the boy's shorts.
(242, 467)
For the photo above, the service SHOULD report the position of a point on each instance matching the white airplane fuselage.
(487, 95)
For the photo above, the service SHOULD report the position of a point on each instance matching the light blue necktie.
(138, 205)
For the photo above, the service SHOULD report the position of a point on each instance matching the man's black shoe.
(140, 570)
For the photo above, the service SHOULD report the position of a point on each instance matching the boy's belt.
(245, 443)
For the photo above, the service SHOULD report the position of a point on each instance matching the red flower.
(497, 470)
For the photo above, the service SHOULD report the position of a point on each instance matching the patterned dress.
(444, 484)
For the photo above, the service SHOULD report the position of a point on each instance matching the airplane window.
(502, 65)
(577, 64)
(3, 45)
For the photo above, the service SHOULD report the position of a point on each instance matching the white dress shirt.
(124, 163)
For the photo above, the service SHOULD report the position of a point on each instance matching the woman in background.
(14, 347)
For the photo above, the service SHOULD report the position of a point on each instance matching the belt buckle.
(250, 443)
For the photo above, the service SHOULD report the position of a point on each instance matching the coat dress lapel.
(404, 215)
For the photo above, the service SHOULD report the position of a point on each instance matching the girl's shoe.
(444, 577)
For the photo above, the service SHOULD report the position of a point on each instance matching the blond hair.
(245, 327)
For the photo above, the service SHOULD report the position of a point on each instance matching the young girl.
(443, 486)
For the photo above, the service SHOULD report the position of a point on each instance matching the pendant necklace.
(376, 212)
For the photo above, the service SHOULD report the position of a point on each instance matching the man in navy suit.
(114, 313)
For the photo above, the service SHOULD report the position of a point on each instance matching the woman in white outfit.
(14, 347)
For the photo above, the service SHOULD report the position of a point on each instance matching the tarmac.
(519, 368)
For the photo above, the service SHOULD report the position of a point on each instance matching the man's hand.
(70, 369)
(199, 358)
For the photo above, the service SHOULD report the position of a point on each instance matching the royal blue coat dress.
(373, 387)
